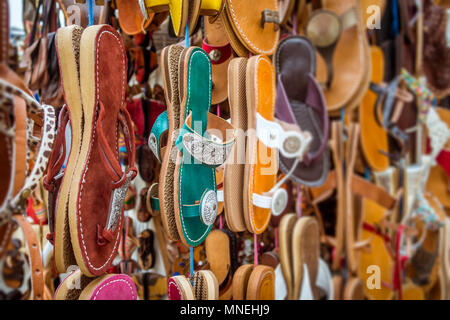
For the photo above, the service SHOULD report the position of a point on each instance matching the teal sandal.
(200, 152)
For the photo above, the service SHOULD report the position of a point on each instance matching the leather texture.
(351, 60)
(261, 284)
(100, 174)
(178, 10)
(37, 277)
(261, 162)
(130, 17)
(216, 44)
(197, 87)
(245, 18)
(374, 138)
(295, 64)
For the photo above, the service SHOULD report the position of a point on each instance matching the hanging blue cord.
(191, 258)
(367, 173)
(91, 15)
(186, 34)
(395, 18)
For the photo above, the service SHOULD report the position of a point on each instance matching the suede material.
(195, 178)
(96, 189)
(173, 291)
(134, 107)
(117, 287)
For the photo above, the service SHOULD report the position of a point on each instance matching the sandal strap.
(210, 151)
(314, 100)
(111, 163)
(121, 180)
(57, 157)
(218, 54)
(159, 130)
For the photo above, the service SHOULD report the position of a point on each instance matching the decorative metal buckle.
(269, 16)
(215, 55)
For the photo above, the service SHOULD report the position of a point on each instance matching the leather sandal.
(254, 24)
(337, 31)
(300, 102)
(98, 173)
(198, 154)
(263, 195)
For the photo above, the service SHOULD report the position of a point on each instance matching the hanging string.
(91, 15)
(218, 110)
(220, 222)
(191, 261)
(299, 202)
(186, 34)
(191, 249)
(255, 249)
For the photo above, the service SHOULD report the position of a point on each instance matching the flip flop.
(337, 31)
(260, 174)
(198, 156)
(221, 252)
(374, 139)
(106, 287)
(98, 180)
(261, 284)
(262, 194)
(300, 101)
(240, 281)
(255, 24)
